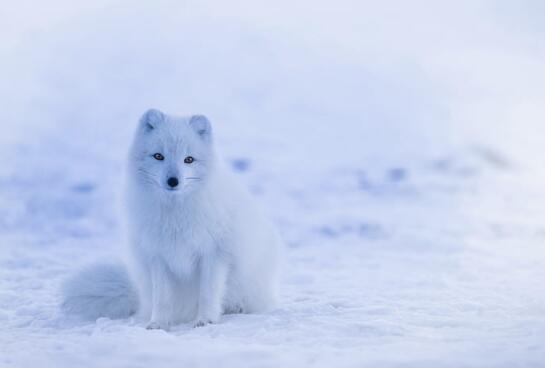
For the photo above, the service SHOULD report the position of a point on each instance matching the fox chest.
(181, 244)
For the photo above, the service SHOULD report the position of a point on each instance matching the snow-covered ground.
(398, 147)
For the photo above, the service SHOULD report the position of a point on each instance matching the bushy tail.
(100, 290)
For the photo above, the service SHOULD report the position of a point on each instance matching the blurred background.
(387, 80)
(398, 146)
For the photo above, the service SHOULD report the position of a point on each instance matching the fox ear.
(150, 119)
(201, 125)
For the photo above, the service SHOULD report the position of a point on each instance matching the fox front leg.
(162, 294)
(213, 278)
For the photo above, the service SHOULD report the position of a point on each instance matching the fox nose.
(172, 182)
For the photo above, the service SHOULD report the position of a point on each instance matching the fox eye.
(158, 157)
(189, 160)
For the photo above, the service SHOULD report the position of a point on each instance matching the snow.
(396, 146)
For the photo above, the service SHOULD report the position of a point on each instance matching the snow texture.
(397, 146)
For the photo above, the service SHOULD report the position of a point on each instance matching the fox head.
(172, 154)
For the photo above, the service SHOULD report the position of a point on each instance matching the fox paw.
(234, 309)
(156, 326)
(201, 322)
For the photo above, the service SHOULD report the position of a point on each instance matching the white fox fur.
(198, 249)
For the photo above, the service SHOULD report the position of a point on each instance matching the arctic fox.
(198, 248)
